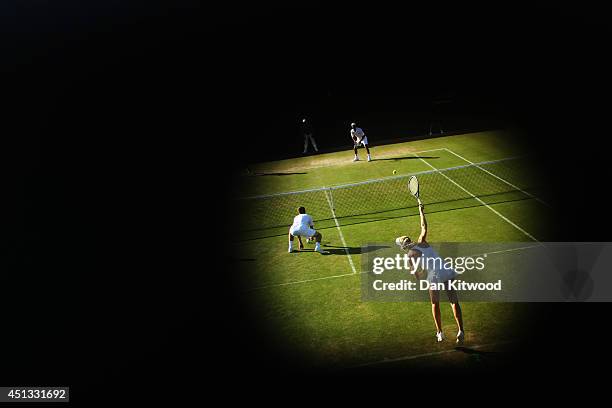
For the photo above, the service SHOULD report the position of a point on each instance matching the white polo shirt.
(301, 226)
(302, 220)
(358, 133)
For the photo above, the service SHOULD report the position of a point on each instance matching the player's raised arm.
(423, 236)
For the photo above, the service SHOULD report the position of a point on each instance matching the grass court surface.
(311, 303)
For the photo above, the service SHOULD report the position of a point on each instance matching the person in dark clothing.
(308, 133)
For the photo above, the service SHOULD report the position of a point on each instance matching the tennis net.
(440, 190)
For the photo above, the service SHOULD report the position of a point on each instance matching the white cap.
(401, 242)
(304, 120)
(353, 124)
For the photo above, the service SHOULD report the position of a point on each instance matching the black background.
(122, 120)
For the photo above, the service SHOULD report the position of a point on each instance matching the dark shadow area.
(232, 259)
(475, 352)
(256, 174)
(310, 250)
(340, 250)
(407, 158)
(485, 357)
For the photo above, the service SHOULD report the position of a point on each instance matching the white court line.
(499, 178)
(275, 285)
(331, 207)
(435, 353)
(506, 250)
(481, 202)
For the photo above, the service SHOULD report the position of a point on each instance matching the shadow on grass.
(340, 250)
(475, 352)
(407, 158)
(486, 358)
(328, 252)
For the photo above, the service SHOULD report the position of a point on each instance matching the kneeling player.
(442, 275)
(303, 226)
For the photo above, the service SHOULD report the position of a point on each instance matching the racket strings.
(413, 186)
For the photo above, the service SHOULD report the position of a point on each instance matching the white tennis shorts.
(441, 275)
(302, 231)
(363, 142)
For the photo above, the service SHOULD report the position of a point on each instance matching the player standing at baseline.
(359, 138)
(303, 226)
(437, 274)
(308, 132)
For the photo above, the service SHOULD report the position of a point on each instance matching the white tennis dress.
(301, 226)
(438, 273)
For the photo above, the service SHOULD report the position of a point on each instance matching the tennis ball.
(394, 171)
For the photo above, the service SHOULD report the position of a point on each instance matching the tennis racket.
(413, 187)
(357, 139)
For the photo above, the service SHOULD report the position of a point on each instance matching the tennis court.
(476, 188)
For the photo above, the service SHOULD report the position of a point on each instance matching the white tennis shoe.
(460, 337)
(319, 250)
(440, 336)
(356, 159)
